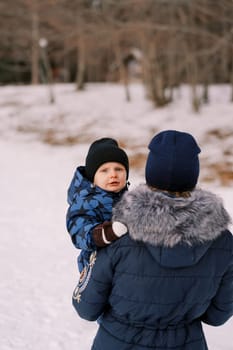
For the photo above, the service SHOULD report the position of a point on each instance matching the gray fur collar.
(158, 219)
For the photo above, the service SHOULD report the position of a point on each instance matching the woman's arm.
(90, 297)
(221, 307)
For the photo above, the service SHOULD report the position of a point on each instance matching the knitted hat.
(102, 151)
(173, 163)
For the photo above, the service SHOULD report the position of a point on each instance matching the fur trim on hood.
(159, 219)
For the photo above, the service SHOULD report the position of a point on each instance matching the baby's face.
(111, 176)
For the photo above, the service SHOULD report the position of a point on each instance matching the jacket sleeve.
(221, 307)
(90, 297)
(81, 218)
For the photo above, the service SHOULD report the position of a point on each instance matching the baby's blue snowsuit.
(89, 206)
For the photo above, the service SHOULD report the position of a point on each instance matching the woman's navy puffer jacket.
(153, 288)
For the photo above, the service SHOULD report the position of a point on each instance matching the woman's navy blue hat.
(173, 163)
(102, 151)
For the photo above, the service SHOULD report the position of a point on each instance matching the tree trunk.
(81, 66)
(35, 44)
(192, 73)
(231, 75)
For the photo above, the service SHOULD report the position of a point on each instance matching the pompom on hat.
(102, 151)
(173, 163)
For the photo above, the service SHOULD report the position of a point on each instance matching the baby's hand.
(104, 234)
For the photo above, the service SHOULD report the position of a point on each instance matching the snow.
(38, 262)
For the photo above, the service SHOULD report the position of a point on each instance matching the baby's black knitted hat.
(102, 151)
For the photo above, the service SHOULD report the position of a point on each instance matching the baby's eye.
(119, 169)
(104, 170)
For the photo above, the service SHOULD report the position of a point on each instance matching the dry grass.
(212, 172)
(222, 171)
(138, 161)
(220, 134)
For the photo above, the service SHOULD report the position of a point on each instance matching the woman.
(153, 288)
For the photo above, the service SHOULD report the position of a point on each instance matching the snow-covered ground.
(38, 262)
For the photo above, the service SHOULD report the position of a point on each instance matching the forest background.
(163, 43)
